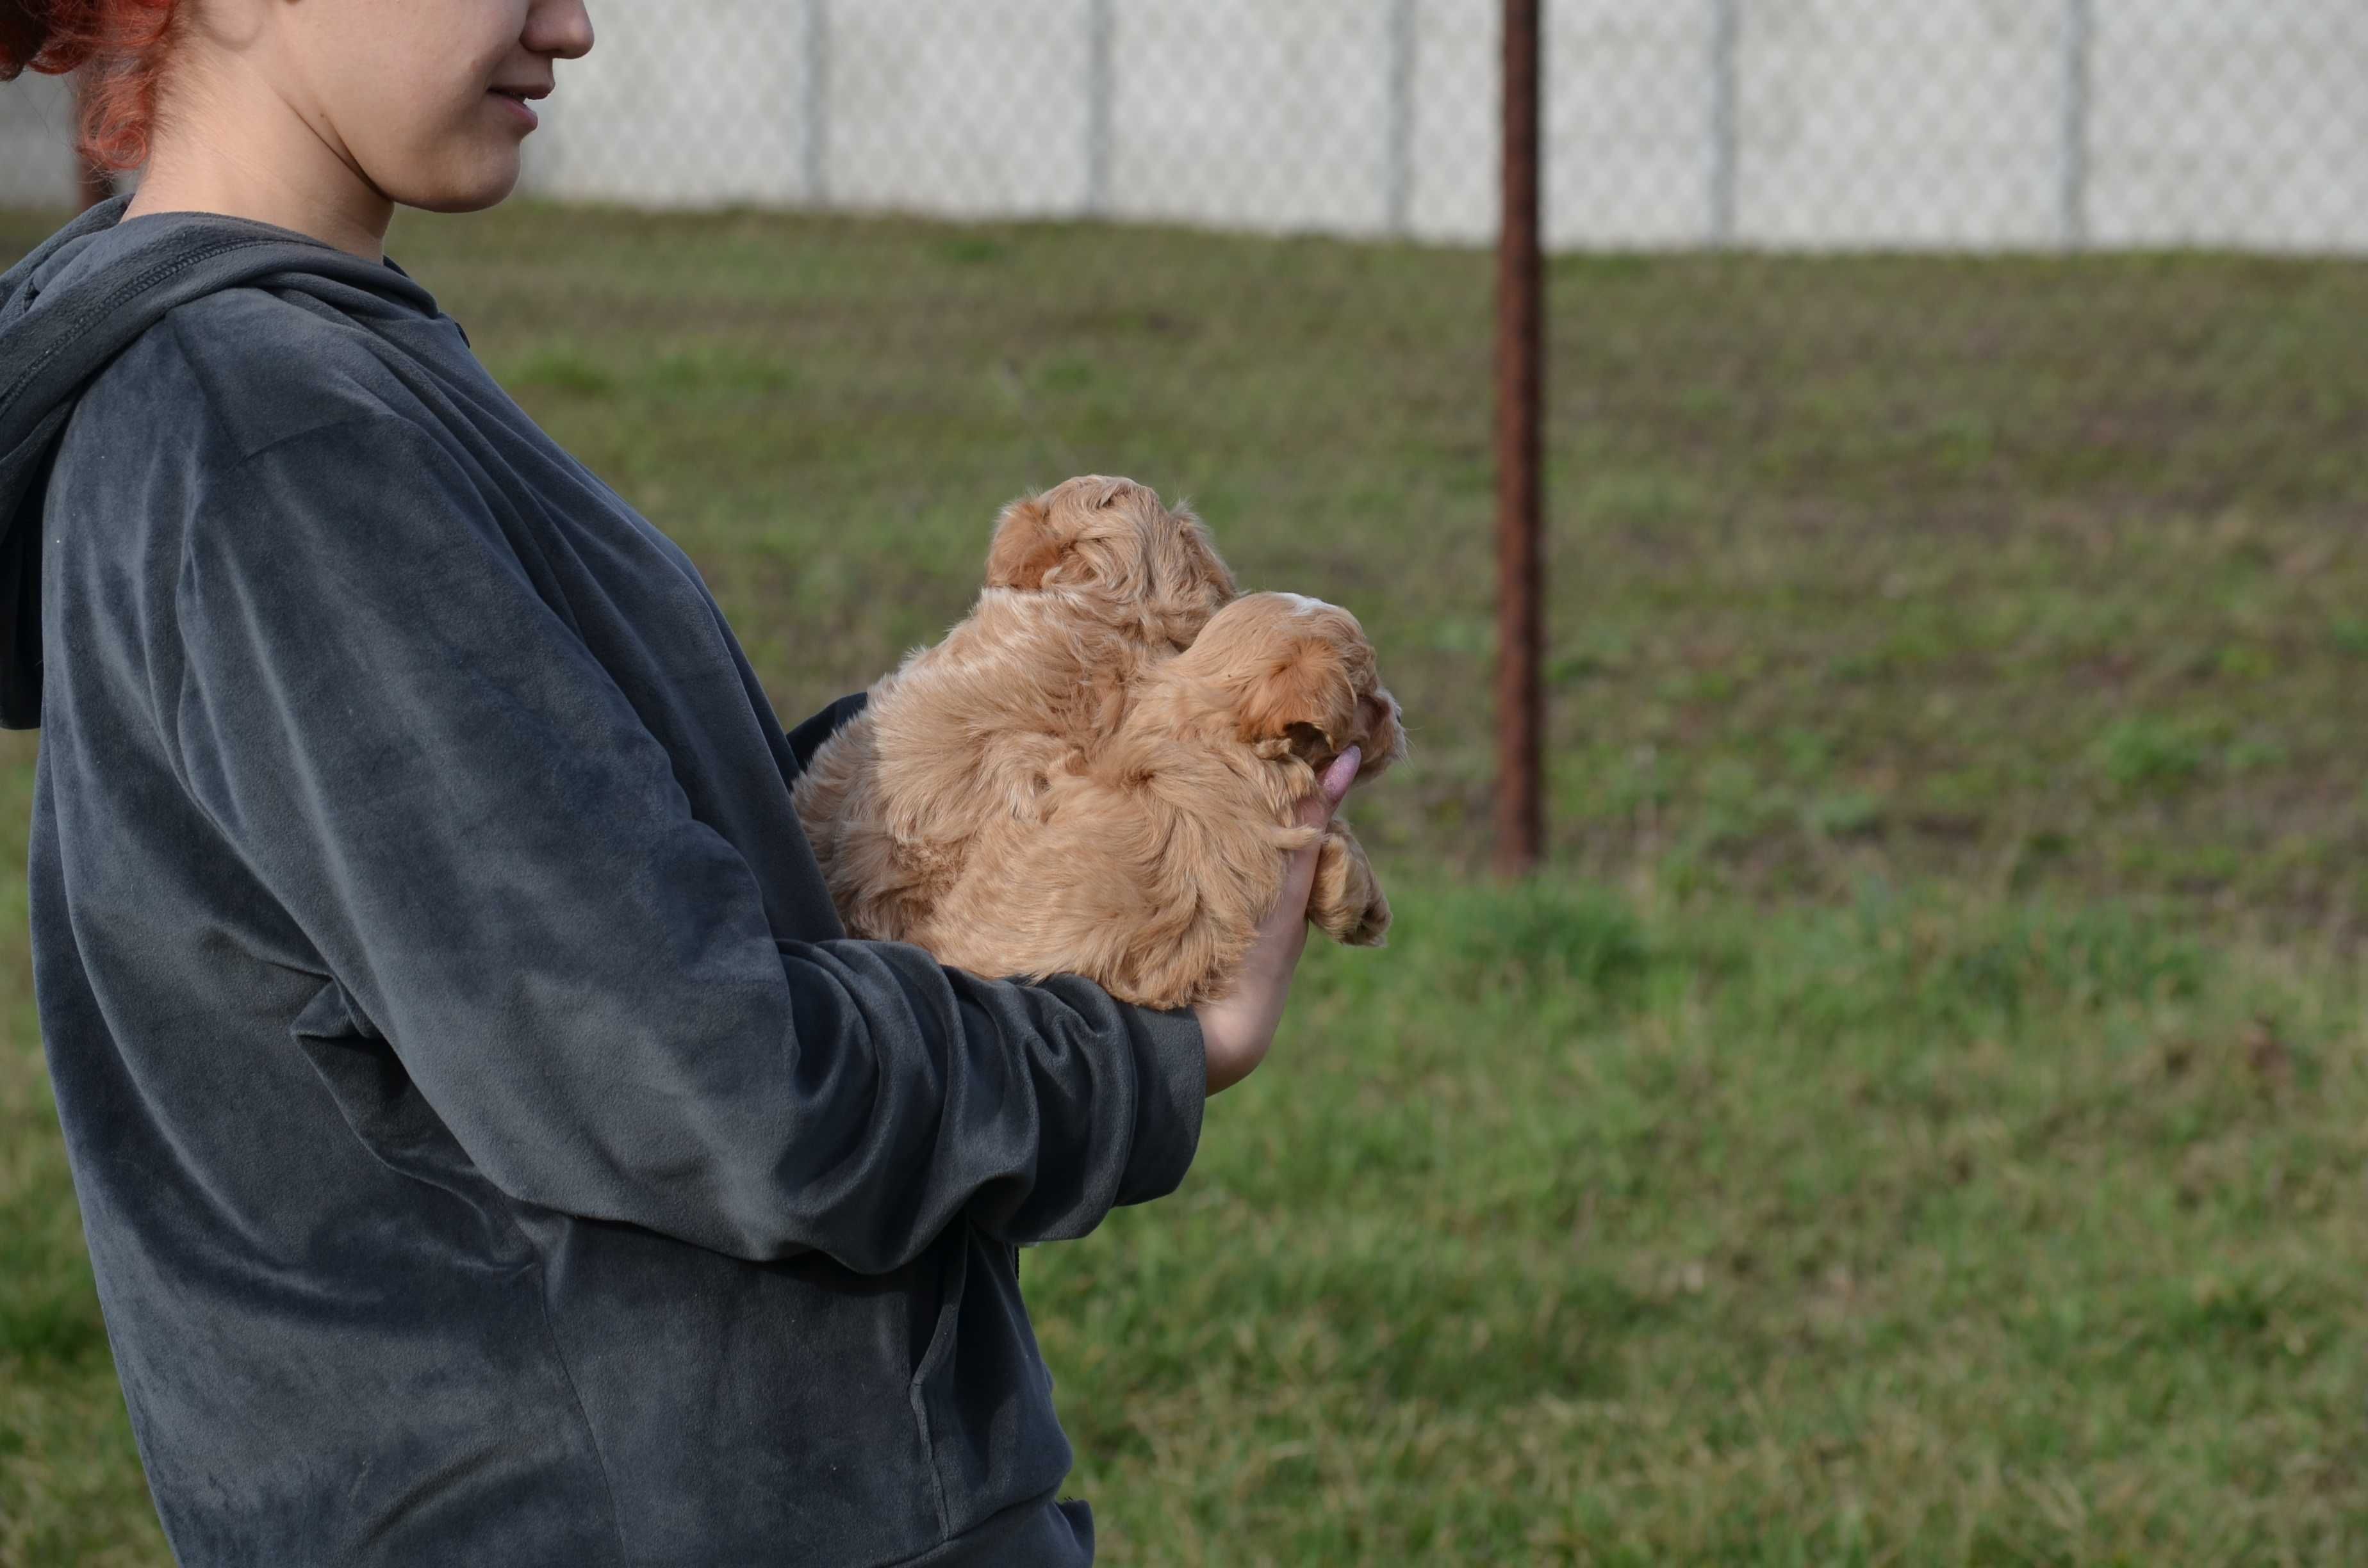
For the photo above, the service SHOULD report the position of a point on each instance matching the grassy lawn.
(1922, 1117)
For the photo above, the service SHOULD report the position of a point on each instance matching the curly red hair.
(120, 48)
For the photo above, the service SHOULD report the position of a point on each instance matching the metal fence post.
(1097, 107)
(1726, 49)
(818, 104)
(1521, 382)
(2079, 31)
(1397, 167)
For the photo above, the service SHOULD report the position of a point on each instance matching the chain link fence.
(1814, 124)
(1919, 374)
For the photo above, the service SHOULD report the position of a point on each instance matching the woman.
(489, 1148)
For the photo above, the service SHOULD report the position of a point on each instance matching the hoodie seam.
(189, 356)
(139, 283)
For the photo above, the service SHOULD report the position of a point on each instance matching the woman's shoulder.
(239, 370)
(232, 423)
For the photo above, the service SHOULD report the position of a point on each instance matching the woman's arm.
(428, 768)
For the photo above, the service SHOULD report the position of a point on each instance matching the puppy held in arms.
(1098, 772)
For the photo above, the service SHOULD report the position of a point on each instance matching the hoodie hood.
(81, 298)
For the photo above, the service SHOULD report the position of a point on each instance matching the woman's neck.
(261, 159)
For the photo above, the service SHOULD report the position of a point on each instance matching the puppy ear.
(1026, 548)
(1204, 567)
(1302, 704)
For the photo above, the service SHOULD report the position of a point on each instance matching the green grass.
(1920, 1119)
(1914, 1232)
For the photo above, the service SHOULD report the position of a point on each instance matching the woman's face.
(420, 97)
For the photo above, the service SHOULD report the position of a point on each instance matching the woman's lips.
(519, 106)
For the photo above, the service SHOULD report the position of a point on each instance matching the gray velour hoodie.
(491, 1149)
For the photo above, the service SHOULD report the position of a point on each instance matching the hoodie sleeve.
(808, 737)
(456, 802)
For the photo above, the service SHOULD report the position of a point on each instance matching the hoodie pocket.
(981, 1394)
(929, 1414)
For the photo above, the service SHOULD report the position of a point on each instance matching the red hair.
(118, 45)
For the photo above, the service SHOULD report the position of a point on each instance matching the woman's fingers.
(1238, 1030)
(1316, 810)
(1341, 774)
(1299, 879)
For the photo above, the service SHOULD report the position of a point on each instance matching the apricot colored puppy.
(1096, 772)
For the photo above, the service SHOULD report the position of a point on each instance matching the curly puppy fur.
(1098, 771)
(1085, 584)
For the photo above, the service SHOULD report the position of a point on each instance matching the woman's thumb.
(1341, 774)
(1317, 809)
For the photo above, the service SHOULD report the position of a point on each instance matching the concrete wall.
(35, 143)
(1976, 124)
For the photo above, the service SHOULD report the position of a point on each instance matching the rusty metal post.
(1520, 386)
(92, 182)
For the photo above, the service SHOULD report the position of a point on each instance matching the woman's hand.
(1239, 1027)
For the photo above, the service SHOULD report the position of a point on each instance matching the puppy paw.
(1347, 904)
(1355, 916)
(1372, 924)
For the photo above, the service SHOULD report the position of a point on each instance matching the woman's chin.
(486, 181)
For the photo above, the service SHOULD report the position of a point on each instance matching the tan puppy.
(1056, 789)
(1085, 584)
(1156, 858)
